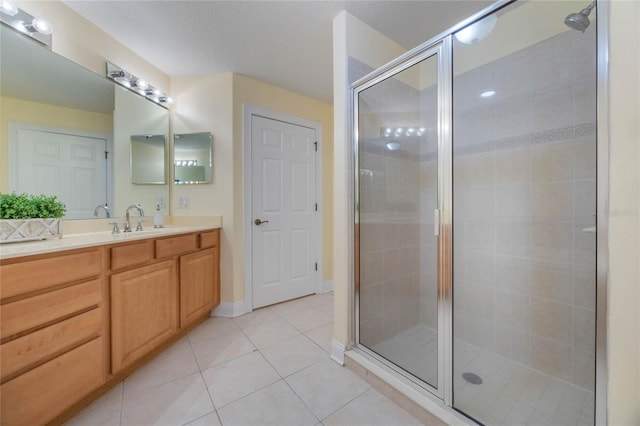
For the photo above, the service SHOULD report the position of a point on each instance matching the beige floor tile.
(212, 327)
(232, 380)
(325, 387)
(98, 415)
(307, 319)
(293, 354)
(221, 348)
(270, 332)
(290, 307)
(320, 301)
(322, 336)
(371, 409)
(175, 362)
(254, 318)
(273, 405)
(210, 419)
(173, 403)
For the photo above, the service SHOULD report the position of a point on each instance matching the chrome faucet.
(105, 207)
(127, 224)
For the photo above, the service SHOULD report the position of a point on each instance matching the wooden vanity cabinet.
(76, 322)
(53, 327)
(143, 311)
(177, 285)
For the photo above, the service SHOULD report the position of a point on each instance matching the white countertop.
(76, 241)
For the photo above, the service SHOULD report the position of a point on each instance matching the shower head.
(580, 21)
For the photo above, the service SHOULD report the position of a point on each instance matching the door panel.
(71, 167)
(283, 196)
(398, 138)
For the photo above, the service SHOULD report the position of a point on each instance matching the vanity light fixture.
(38, 29)
(136, 84)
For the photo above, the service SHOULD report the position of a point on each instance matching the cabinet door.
(199, 284)
(143, 311)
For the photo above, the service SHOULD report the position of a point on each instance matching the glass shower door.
(397, 121)
(524, 196)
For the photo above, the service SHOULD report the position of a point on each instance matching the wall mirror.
(192, 158)
(59, 119)
(148, 154)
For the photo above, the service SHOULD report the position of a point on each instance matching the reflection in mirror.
(192, 158)
(66, 114)
(148, 155)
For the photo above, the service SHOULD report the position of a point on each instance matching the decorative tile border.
(547, 136)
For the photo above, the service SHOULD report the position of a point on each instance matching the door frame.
(247, 164)
(15, 126)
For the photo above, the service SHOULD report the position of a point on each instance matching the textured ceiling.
(285, 43)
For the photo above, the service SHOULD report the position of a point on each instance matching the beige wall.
(623, 328)
(204, 104)
(22, 111)
(216, 103)
(79, 40)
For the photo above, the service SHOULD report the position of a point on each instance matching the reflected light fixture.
(398, 132)
(137, 85)
(393, 146)
(37, 28)
(488, 94)
(477, 31)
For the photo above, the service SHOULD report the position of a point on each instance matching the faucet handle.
(139, 227)
(115, 229)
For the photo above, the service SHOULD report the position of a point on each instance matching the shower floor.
(510, 393)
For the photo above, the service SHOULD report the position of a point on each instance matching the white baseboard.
(337, 352)
(327, 286)
(230, 309)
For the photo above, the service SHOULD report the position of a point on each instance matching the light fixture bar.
(137, 85)
(38, 29)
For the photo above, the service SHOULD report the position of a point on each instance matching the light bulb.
(8, 8)
(42, 26)
(141, 84)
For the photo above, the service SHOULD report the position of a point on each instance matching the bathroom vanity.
(81, 313)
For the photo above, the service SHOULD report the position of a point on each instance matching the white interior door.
(72, 167)
(283, 206)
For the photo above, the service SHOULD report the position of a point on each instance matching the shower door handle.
(436, 222)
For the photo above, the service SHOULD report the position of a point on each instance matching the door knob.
(260, 222)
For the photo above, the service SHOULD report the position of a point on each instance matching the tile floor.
(268, 367)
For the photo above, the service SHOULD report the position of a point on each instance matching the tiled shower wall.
(524, 207)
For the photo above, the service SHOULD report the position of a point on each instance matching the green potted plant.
(25, 217)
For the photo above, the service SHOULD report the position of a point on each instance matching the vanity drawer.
(124, 256)
(29, 350)
(33, 275)
(176, 246)
(209, 239)
(39, 310)
(43, 393)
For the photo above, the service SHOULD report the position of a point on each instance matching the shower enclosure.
(476, 215)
